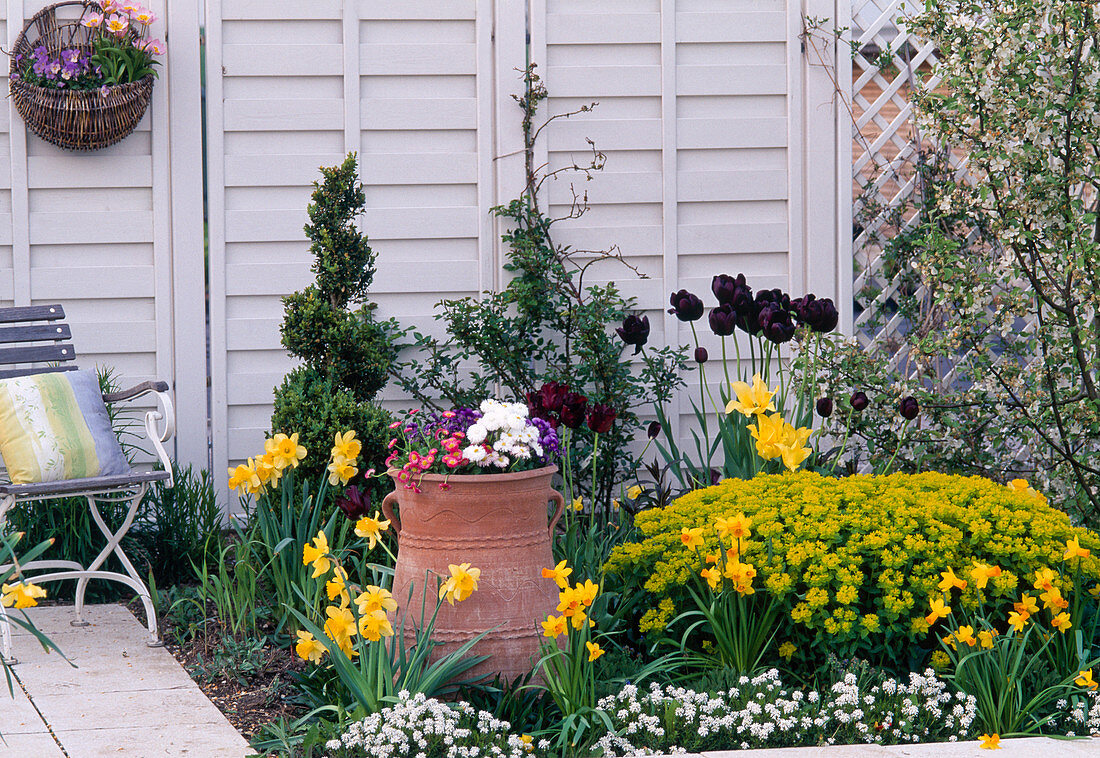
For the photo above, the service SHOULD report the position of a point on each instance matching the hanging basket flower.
(82, 81)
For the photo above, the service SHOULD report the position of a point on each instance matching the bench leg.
(5, 639)
(113, 546)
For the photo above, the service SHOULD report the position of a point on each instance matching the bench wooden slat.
(35, 333)
(80, 486)
(31, 313)
(37, 354)
(11, 373)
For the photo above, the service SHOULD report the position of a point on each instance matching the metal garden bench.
(35, 335)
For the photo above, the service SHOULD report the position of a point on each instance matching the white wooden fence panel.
(97, 232)
(700, 116)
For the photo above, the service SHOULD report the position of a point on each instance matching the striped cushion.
(55, 427)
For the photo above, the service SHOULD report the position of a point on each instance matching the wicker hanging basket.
(74, 120)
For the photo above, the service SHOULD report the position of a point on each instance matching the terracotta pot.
(494, 522)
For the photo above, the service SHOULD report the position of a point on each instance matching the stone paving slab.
(123, 698)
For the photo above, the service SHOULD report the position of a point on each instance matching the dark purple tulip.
(353, 504)
(701, 355)
(776, 323)
(600, 418)
(723, 320)
(573, 407)
(654, 429)
(634, 331)
(748, 320)
(686, 306)
(859, 401)
(776, 296)
(729, 290)
(824, 407)
(829, 316)
(909, 408)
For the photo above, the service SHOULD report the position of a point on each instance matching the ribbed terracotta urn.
(497, 523)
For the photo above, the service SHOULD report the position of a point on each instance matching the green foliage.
(314, 405)
(546, 323)
(994, 275)
(177, 526)
(852, 561)
(346, 353)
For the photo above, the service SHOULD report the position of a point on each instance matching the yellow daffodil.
(560, 574)
(713, 577)
(578, 505)
(340, 471)
(1053, 600)
(950, 581)
(554, 626)
(340, 628)
(375, 625)
(981, 573)
(939, 611)
(244, 478)
(735, 527)
(965, 636)
(308, 648)
(594, 651)
(285, 451)
(634, 492)
(528, 742)
(1018, 620)
(587, 592)
(1061, 622)
(1084, 679)
(1026, 605)
(990, 742)
(370, 528)
(460, 584)
(691, 538)
(337, 587)
(985, 638)
(1044, 579)
(374, 598)
(317, 554)
(1074, 550)
(346, 446)
(787, 651)
(21, 595)
(751, 400)
(569, 602)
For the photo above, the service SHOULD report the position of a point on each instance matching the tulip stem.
(725, 362)
(844, 442)
(897, 447)
(595, 450)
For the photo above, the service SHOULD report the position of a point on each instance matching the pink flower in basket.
(92, 20)
(117, 24)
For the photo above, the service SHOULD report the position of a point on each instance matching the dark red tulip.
(546, 403)
(776, 323)
(730, 290)
(634, 331)
(654, 429)
(600, 418)
(824, 407)
(859, 401)
(909, 408)
(686, 306)
(573, 406)
(701, 355)
(353, 504)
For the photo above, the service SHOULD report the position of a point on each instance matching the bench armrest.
(164, 414)
(135, 391)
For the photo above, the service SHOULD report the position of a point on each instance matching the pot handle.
(387, 511)
(558, 498)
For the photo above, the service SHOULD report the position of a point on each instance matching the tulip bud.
(825, 407)
(909, 408)
(654, 429)
(859, 401)
(701, 355)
